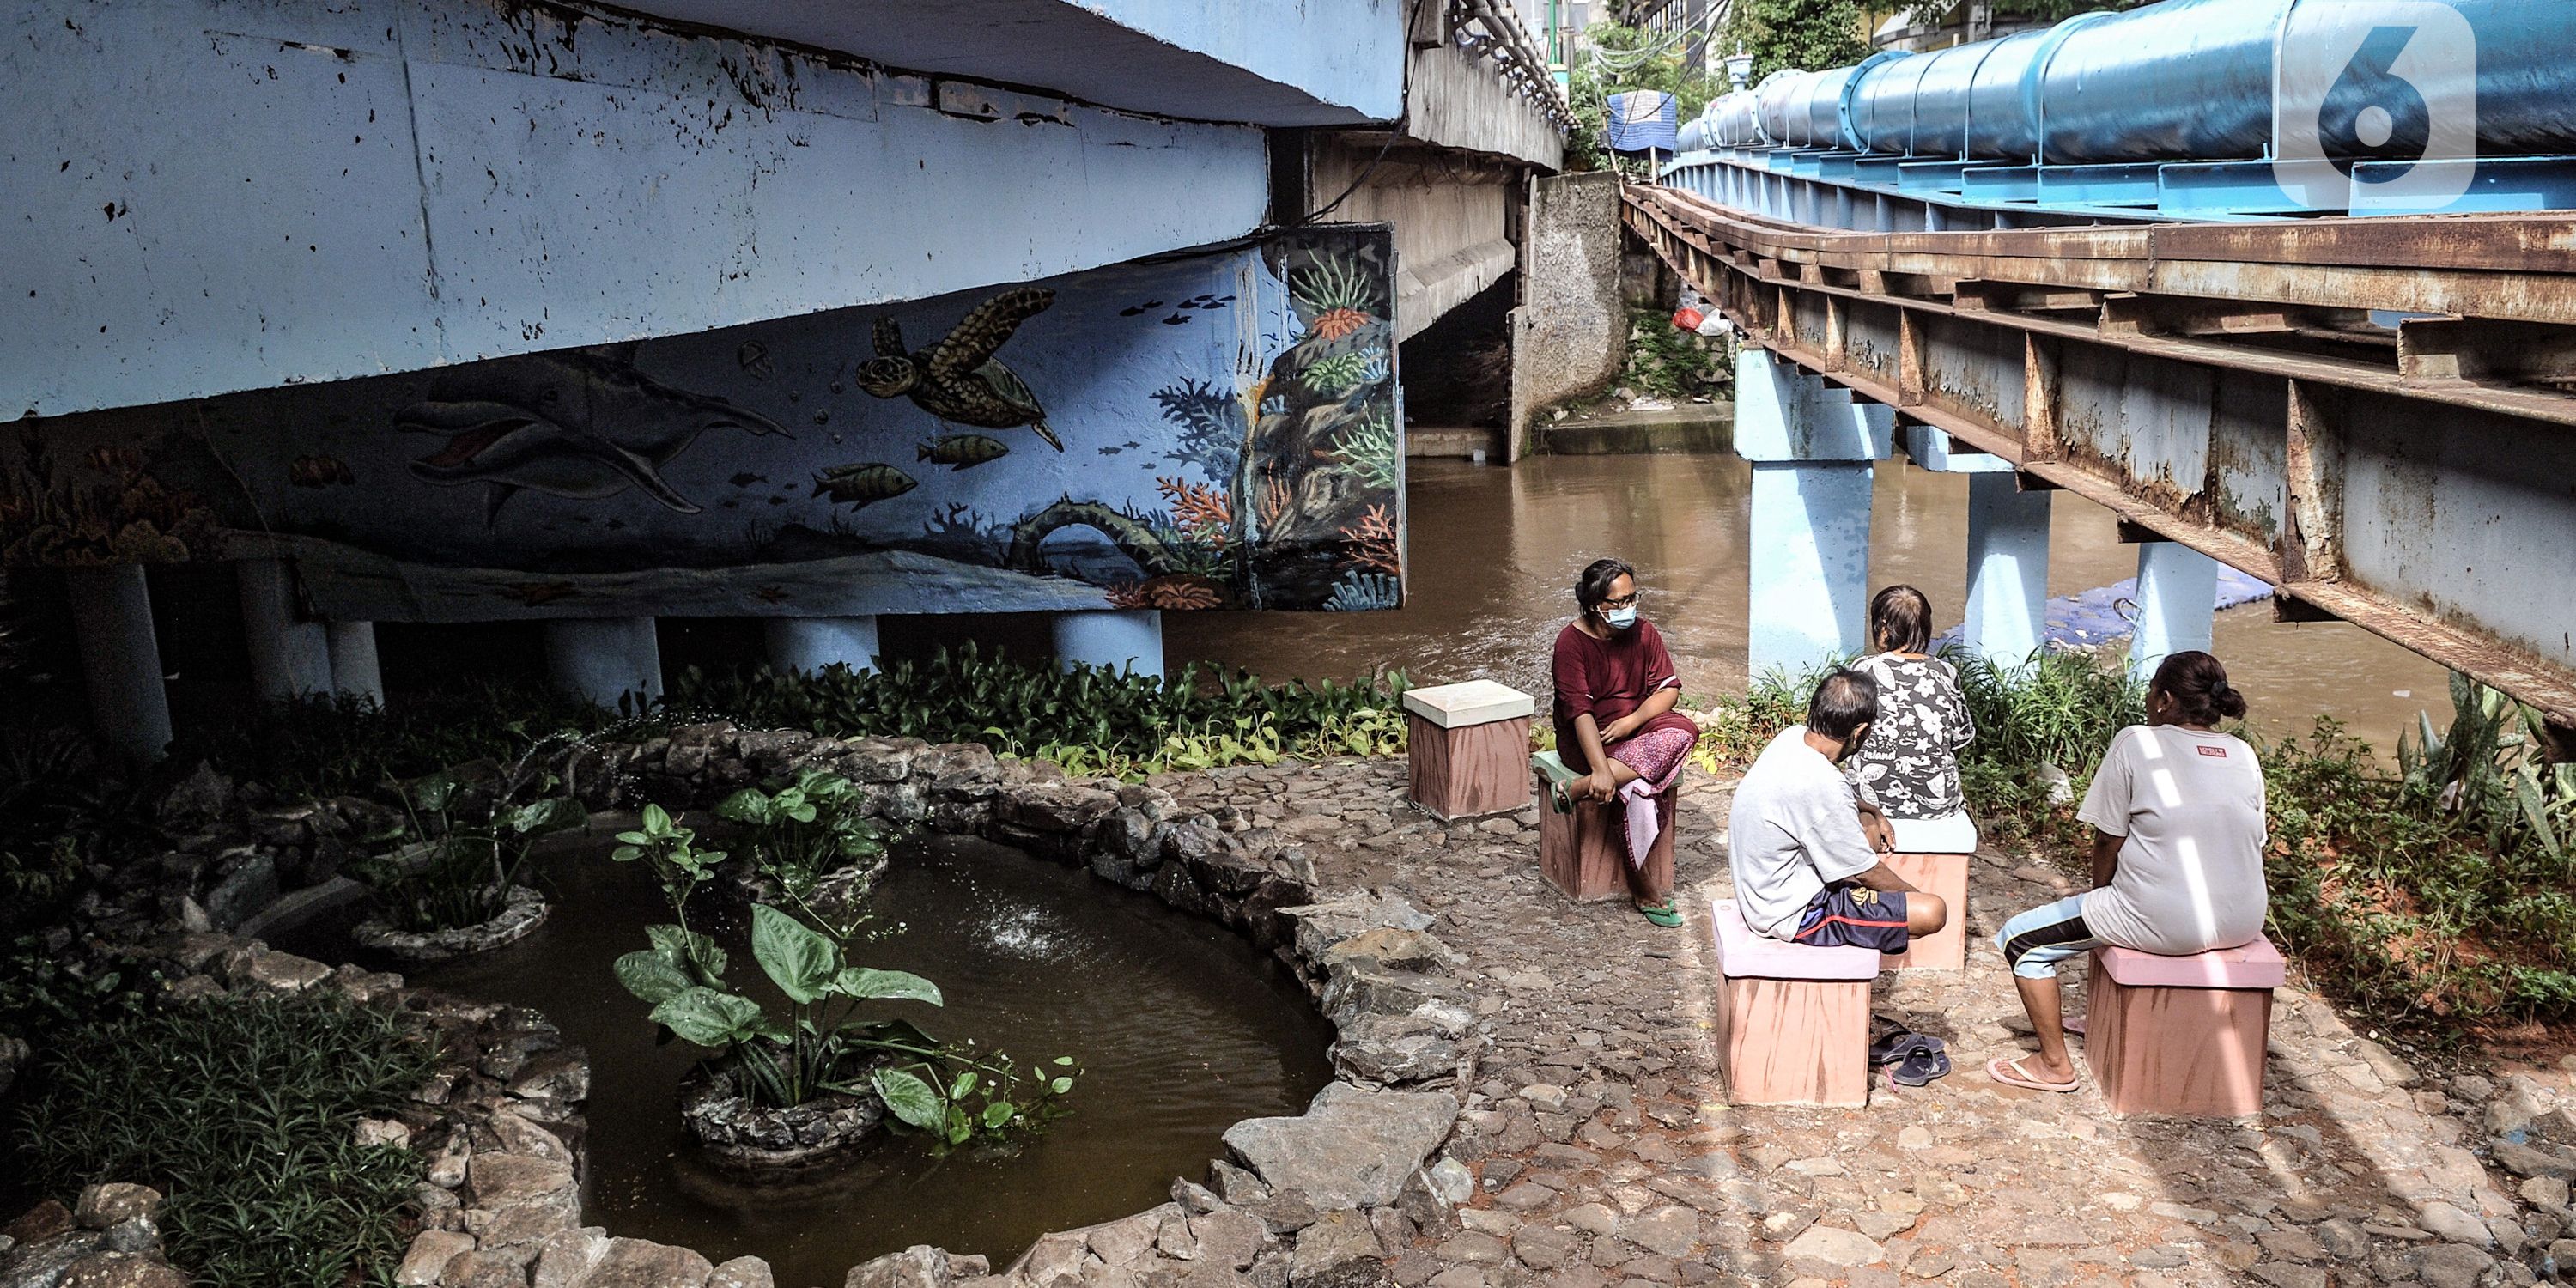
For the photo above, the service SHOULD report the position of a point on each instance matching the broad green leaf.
(862, 984)
(1063, 1060)
(656, 819)
(745, 806)
(653, 975)
(998, 1113)
(699, 952)
(1060, 1086)
(707, 1017)
(965, 1083)
(959, 1126)
(909, 1098)
(554, 814)
(802, 963)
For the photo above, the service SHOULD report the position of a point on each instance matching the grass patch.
(342, 746)
(242, 1111)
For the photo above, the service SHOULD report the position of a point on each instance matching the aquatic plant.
(1374, 544)
(1359, 592)
(805, 831)
(1205, 514)
(459, 871)
(130, 516)
(1335, 294)
(1211, 423)
(244, 1112)
(1370, 449)
(819, 1045)
(1339, 373)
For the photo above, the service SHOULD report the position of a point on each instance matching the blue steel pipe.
(2178, 80)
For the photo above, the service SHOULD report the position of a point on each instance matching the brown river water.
(1495, 552)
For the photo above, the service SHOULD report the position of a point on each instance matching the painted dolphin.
(582, 423)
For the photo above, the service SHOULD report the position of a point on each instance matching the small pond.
(1181, 1027)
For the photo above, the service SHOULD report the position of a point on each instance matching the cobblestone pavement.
(1605, 1151)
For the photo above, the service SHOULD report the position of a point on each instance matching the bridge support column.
(1813, 449)
(2007, 569)
(120, 661)
(1120, 639)
(2177, 598)
(2007, 607)
(603, 659)
(812, 643)
(290, 655)
(354, 673)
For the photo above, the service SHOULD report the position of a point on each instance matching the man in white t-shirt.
(1805, 848)
(2178, 838)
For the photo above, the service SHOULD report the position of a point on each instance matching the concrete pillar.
(1812, 446)
(2007, 569)
(290, 654)
(604, 658)
(120, 661)
(354, 673)
(1121, 639)
(1810, 574)
(812, 643)
(2177, 604)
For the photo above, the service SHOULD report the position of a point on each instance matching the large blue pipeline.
(2178, 81)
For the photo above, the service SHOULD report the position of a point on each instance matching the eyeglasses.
(1629, 602)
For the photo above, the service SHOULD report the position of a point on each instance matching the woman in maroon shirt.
(1615, 723)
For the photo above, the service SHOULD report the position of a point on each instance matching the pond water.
(1181, 1028)
(1494, 553)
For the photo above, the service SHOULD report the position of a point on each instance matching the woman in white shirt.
(2178, 839)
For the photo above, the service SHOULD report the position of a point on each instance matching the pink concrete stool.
(1793, 1021)
(2182, 1035)
(1933, 855)
(1467, 743)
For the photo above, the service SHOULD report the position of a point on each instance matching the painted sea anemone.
(1335, 324)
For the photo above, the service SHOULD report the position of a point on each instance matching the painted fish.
(746, 479)
(863, 485)
(959, 451)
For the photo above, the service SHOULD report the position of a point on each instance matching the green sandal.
(1662, 914)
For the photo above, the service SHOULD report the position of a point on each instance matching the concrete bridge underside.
(2375, 416)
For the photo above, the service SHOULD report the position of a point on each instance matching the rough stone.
(481, 1269)
(1228, 1237)
(635, 1263)
(919, 1266)
(119, 1270)
(135, 1236)
(41, 1222)
(1351, 1148)
(565, 1257)
(283, 972)
(428, 1256)
(1339, 1250)
(101, 1206)
(1833, 1247)
(529, 1198)
(2446, 1221)
(2452, 1265)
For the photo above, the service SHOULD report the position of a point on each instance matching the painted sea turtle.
(958, 379)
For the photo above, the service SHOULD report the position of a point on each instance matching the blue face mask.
(1621, 619)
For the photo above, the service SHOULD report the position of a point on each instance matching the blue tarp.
(1644, 119)
(2108, 613)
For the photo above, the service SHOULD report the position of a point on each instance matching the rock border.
(1318, 1200)
(522, 911)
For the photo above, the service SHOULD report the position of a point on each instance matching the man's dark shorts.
(1855, 916)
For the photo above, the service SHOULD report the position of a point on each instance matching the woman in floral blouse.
(1909, 768)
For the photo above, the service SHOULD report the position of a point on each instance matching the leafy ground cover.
(242, 1111)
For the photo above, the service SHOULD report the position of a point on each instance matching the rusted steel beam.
(2212, 388)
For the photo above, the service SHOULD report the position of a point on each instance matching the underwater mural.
(1210, 431)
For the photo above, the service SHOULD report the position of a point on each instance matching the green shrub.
(1093, 719)
(339, 745)
(243, 1112)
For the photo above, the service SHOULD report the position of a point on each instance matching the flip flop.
(1897, 1046)
(1662, 914)
(1918, 1068)
(2010, 1073)
(2073, 1024)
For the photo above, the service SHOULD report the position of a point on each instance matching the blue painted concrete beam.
(1812, 446)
